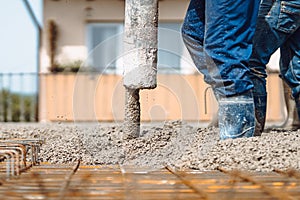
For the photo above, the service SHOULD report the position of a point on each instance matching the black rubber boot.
(260, 113)
(260, 104)
(297, 101)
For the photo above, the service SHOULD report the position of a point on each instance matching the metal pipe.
(140, 59)
(39, 33)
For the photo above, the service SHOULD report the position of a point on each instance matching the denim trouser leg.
(290, 62)
(218, 34)
(277, 26)
(260, 57)
(193, 30)
(230, 27)
(290, 66)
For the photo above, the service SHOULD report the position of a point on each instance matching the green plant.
(72, 66)
(11, 106)
(27, 108)
(75, 66)
(5, 104)
(16, 110)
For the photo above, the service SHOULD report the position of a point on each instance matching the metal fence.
(19, 97)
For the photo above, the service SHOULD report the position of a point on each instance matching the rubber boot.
(260, 113)
(289, 105)
(236, 116)
(297, 101)
(292, 120)
(260, 105)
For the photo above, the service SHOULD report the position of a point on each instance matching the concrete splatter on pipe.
(140, 44)
(140, 60)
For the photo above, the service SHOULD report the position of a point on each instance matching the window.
(169, 47)
(105, 41)
(104, 44)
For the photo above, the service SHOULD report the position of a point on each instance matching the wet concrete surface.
(176, 144)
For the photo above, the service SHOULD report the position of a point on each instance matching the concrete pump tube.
(140, 58)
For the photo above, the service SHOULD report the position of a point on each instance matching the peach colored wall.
(94, 97)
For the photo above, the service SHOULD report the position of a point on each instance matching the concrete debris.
(174, 144)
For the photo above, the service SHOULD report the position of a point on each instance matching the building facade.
(87, 34)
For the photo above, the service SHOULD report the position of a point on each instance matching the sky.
(18, 36)
(18, 46)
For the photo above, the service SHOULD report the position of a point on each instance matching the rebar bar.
(54, 182)
(181, 176)
(289, 173)
(14, 153)
(247, 178)
(68, 180)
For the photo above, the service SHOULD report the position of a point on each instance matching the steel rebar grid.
(181, 176)
(65, 187)
(131, 182)
(18, 152)
(14, 152)
(289, 173)
(247, 178)
(32, 145)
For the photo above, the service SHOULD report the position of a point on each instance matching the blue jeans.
(218, 35)
(277, 27)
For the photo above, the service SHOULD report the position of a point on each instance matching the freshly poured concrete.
(172, 143)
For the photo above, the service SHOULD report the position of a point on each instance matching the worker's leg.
(193, 30)
(287, 53)
(290, 65)
(273, 29)
(230, 27)
(262, 51)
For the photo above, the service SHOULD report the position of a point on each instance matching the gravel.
(174, 143)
